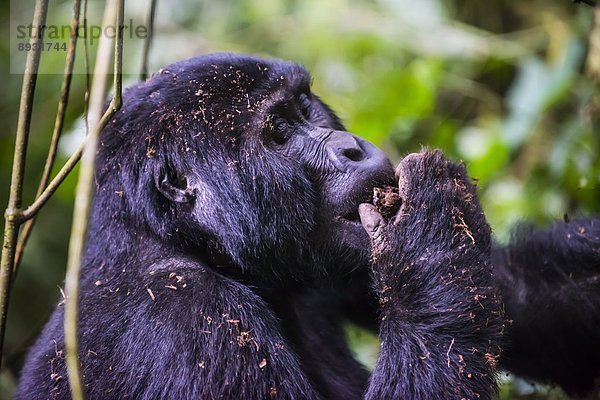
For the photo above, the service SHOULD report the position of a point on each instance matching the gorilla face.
(343, 167)
(244, 162)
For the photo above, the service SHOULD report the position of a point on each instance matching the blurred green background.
(507, 86)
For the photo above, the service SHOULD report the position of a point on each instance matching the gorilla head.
(234, 158)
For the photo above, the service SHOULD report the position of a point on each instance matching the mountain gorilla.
(234, 230)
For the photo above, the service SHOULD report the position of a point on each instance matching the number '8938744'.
(50, 46)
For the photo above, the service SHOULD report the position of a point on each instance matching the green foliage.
(498, 84)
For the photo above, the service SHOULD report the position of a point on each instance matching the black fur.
(225, 252)
(550, 281)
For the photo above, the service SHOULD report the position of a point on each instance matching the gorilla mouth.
(377, 193)
(351, 216)
(350, 211)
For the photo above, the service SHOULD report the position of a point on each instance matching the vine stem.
(42, 194)
(148, 41)
(114, 13)
(11, 216)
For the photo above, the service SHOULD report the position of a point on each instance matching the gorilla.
(235, 231)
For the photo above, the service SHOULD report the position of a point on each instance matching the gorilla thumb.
(371, 220)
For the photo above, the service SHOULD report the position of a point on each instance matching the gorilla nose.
(349, 152)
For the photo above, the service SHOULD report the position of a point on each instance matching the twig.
(148, 41)
(86, 63)
(448, 352)
(592, 65)
(113, 13)
(12, 222)
(58, 127)
(32, 210)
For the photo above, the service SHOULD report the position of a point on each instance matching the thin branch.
(148, 41)
(86, 63)
(113, 13)
(33, 209)
(12, 223)
(65, 89)
(591, 111)
(592, 64)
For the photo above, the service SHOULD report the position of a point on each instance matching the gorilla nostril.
(353, 154)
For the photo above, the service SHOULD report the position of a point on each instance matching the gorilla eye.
(304, 102)
(282, 131)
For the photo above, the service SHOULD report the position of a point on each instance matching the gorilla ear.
(174, 189)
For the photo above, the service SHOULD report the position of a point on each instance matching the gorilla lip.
(384, 196)
(351, 213)
(351, 217)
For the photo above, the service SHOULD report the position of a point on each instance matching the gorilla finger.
(410, 162)
(371, 219)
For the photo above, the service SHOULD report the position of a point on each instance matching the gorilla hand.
(440, 316)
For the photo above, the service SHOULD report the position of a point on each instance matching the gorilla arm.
(166, 338)
(550, 284)
(440, 318)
